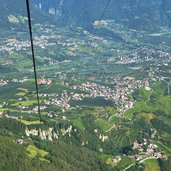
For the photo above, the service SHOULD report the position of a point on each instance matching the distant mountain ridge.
(14, 15)
(137, 14)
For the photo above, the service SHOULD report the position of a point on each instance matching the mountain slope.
(143, 15)
(14, 15)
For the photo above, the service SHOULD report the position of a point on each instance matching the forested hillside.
(136, 14)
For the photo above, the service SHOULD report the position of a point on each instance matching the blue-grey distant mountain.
(14, 15)
(137, 14)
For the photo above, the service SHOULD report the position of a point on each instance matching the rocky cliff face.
(137, 14)
(49, 134)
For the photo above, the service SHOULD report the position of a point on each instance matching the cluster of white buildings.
(44, 81)
(61, 101)
(3, 82)
(119, 94)
(150, 151)
(144, 55)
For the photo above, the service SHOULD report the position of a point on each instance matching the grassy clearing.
(33, 151)
(25, 103)
(103, 157)
(152, 165)
(78, 123)
(42, 159)
(22, 89)
(37, 122)
(103, 124)
(7, 109)
(20, 94)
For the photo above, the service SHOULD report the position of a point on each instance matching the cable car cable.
(33, 56)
